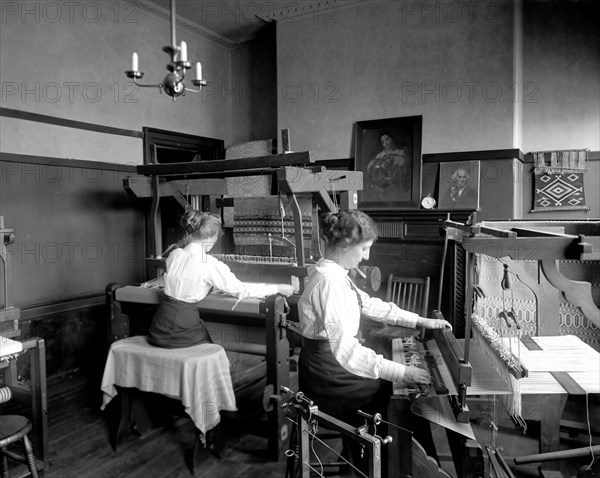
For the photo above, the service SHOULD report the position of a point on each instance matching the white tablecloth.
(198, 376)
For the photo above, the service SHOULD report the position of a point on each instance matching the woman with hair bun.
(335, 370)
(190, 275)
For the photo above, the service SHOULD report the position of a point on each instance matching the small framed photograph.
(459, 185)
(388, 152)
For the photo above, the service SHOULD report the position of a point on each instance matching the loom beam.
(582, 452)
(206, 178)
(547, 246)
(140, 187)
(294, 180)
(226, 167)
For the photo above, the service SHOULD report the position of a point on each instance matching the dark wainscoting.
(75, 335)
(76, 230)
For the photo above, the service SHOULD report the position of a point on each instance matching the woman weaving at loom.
(190, 275)
(335, 371)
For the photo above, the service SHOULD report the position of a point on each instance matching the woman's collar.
(331, 266)
(195, 248)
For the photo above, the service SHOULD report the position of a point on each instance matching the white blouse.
(191, 274)
(329, 309)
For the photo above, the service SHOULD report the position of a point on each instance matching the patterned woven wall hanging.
(558, 180)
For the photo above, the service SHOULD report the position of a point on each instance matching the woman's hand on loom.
(285, 289)
(416, 375)
(433, 323)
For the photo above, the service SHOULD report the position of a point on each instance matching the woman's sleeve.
(333, 299)
(221, 278)
(386, 312)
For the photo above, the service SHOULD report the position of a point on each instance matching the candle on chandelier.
(198, 71)
(183, 51)
(134, 62)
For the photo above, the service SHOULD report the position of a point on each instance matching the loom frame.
(294, 173)
(546, 242)
(307, 417)
(542, 241)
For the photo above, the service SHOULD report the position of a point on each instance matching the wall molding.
(280, 13)
(484, 155)
(62, 306)
(67, 123)
(489, 155)
(164, 14)
(65, 162)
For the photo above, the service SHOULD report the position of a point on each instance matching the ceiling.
(230, 22)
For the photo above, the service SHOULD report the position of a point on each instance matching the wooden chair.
(12, 429)
(409, 293)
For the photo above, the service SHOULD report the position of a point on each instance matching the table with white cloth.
(198, 376)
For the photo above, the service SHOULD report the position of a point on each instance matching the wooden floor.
(79, 445)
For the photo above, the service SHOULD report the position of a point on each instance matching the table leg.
(39, 397)
(550, 409)
(399, 454)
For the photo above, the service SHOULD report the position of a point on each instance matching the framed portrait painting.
(388, 152)
(459, 185)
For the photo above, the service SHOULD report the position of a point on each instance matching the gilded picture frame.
(388, 152)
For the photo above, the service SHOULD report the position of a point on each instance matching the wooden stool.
(12, 429)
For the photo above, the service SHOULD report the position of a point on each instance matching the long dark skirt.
(336, 391)
(341, 394)
(177, 324)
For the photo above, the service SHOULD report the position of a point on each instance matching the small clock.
(428, 202)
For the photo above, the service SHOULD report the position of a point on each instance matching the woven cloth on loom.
(247, 186)
(572, 321)
(519, 297)
(256, 218)
(559, 182)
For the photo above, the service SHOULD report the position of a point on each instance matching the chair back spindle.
(5, 394)
(409, 293)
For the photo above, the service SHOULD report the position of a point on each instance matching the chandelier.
(172, 83)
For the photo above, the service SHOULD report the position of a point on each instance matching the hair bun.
(190, 221)
(200, 224)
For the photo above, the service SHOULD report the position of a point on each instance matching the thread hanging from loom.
(508, 366)
(587, 410)
(503, 361)
(255, 218)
